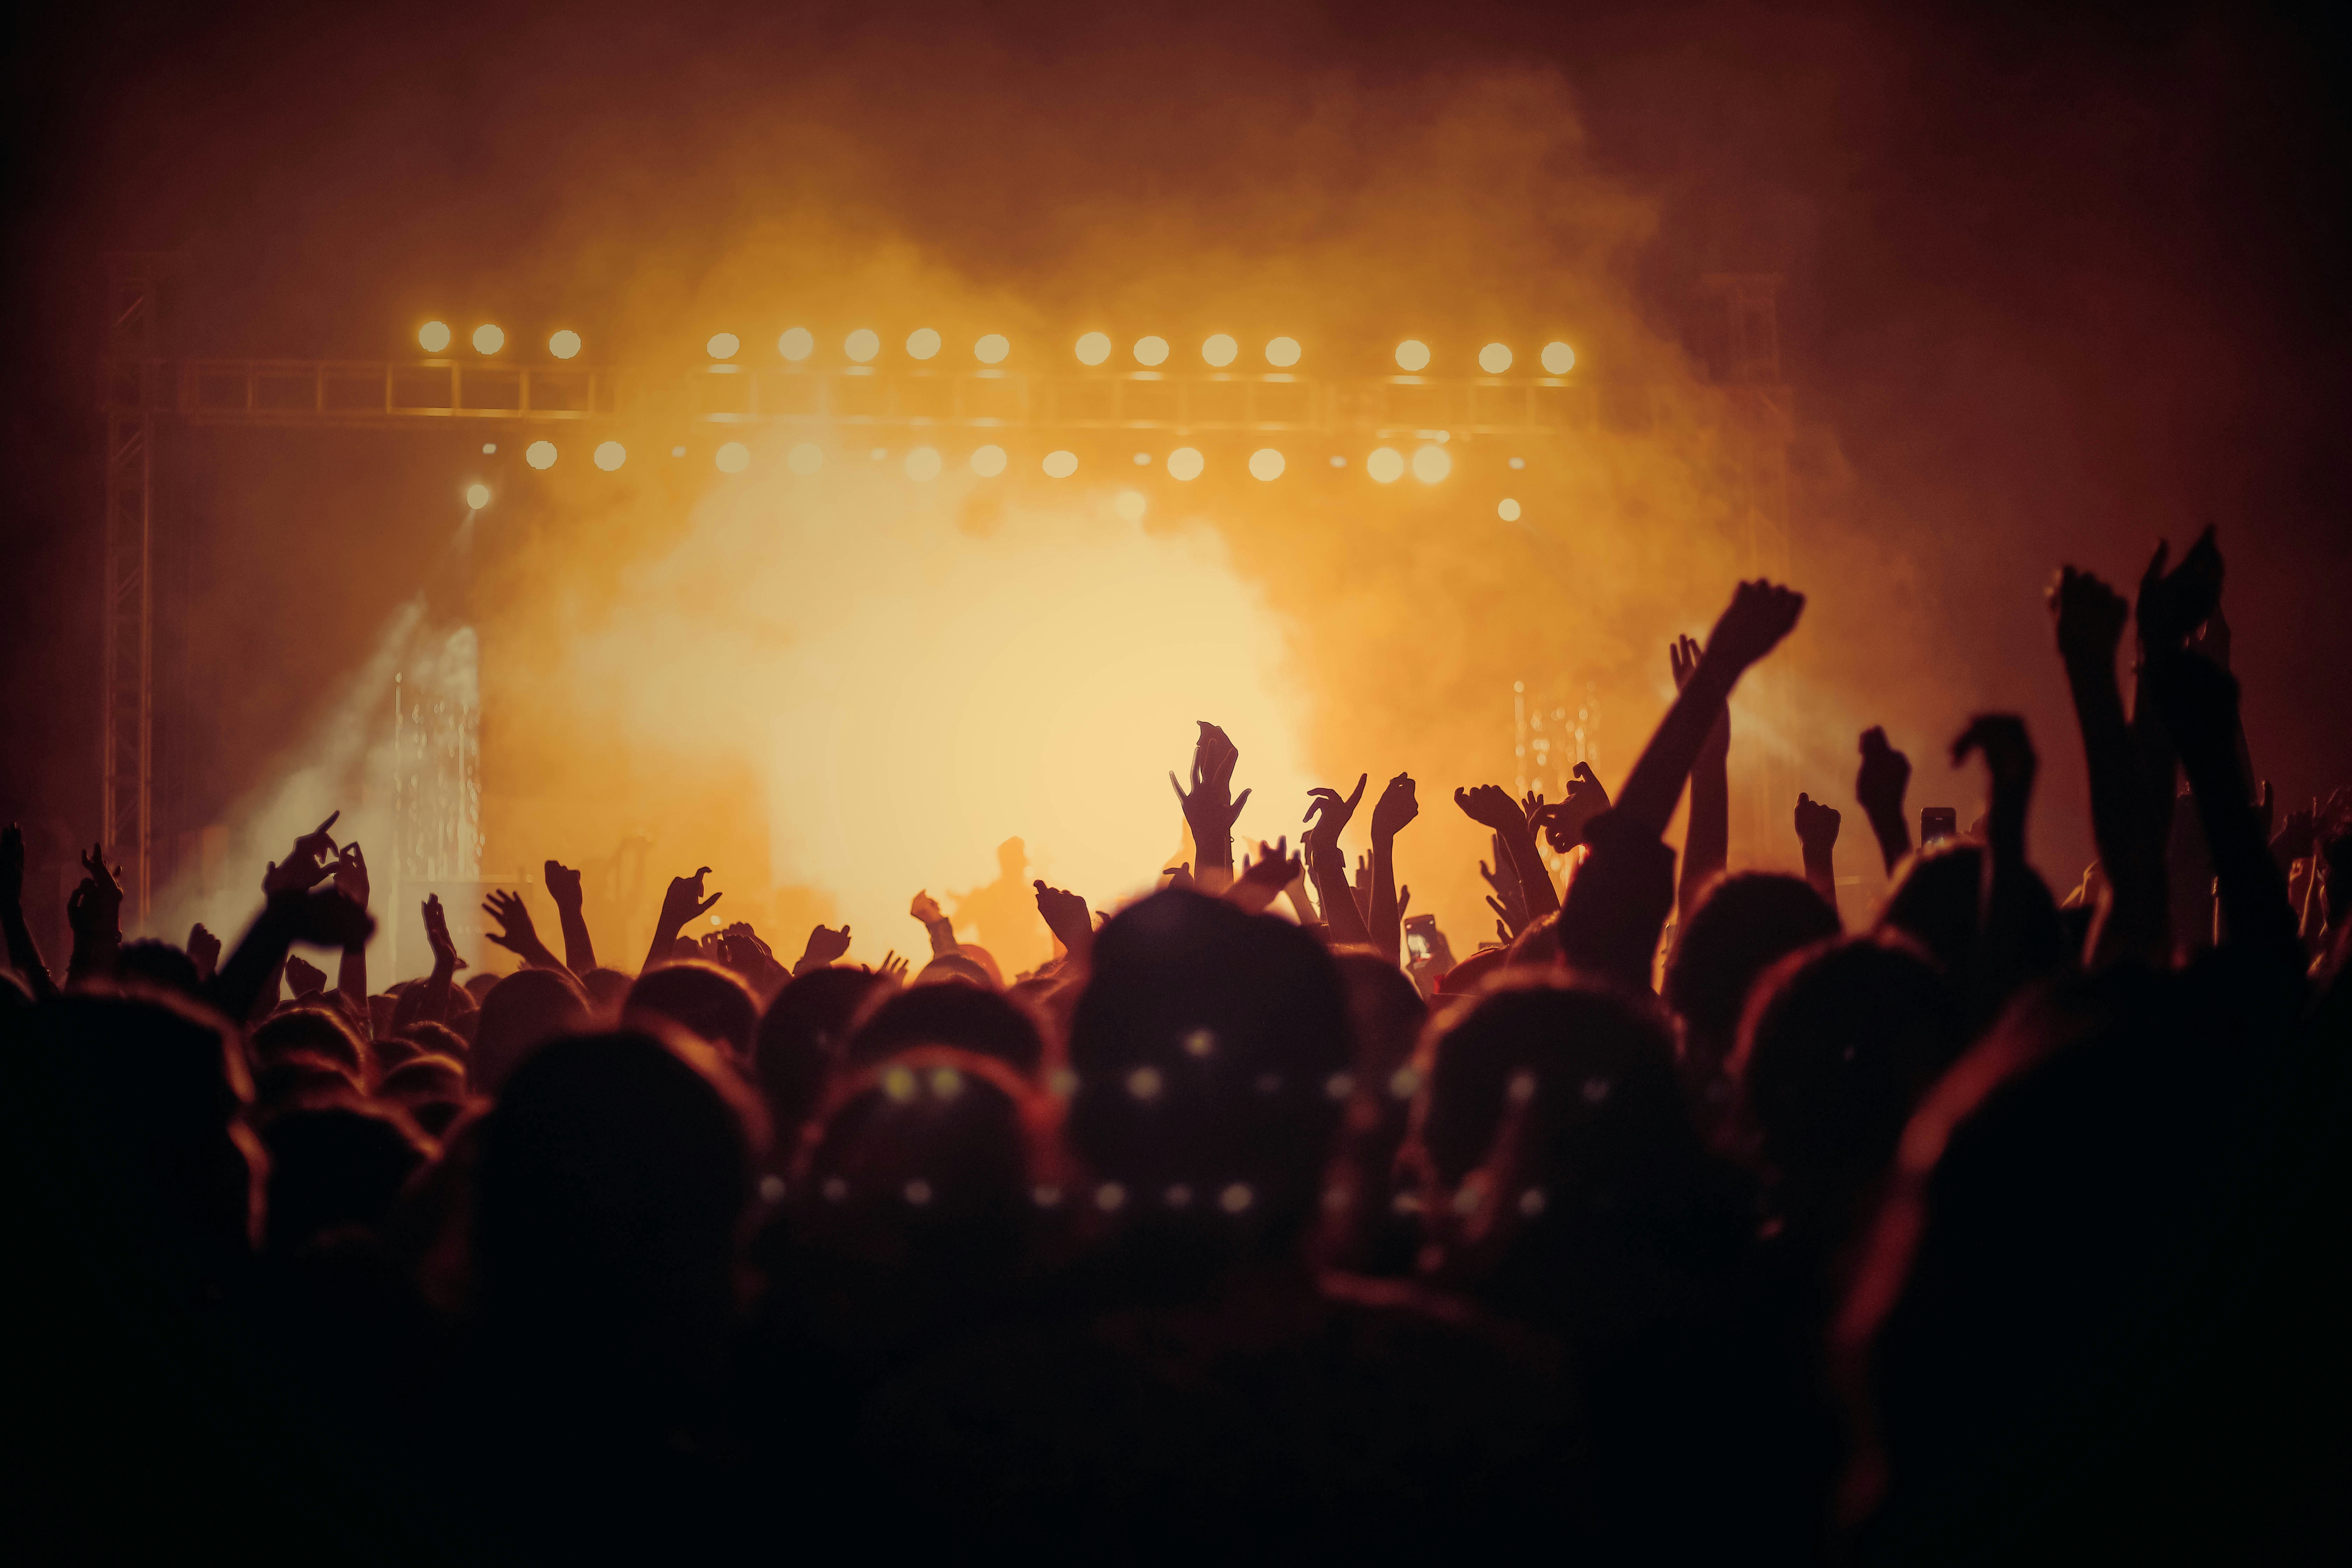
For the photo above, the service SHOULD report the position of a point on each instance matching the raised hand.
(1879, 785)
(204, 950)
(1263, 878)
(1563, 821)
(1817, 824)
(926, 909)
(563, 885)
(684, 901)
(1681, 659)
(1329, 811)
(824, 945)
(516, 934)
(94, 914)
(2089, 617)
(2212, 639)
(2296, 835)
(1508, 900)
(1211, 808)
(1066, 916)
(892, 968)
(2173, 604)
(1397, 807)
(312, 856)
(2010, 759)
(571, 914)
(351, 874)
(306, 978)
(1752, 625)
(437, 935)
(1490, 806)
(1179, 875)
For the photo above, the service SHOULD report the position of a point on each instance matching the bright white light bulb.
(1094, 348)
(1282, 352)
(988, 462)
(1266, 463)
(805, 458)
(564, 344)
(1413, 355)
(922, 343)
(992, 349)
(1386, 465)
(922, 463)
(797, 344)
(1431, 464)
(1508, 510)
(610, 454)
(489, 340)
(862, 345)
(1559, 359)
(1495, 358)
(433, 337)
(722, 345)
(478, 496)
(1150, 350)
(540, 454)
(1220, 349)
(734, 457)
(1061, 465)
(1185, 463)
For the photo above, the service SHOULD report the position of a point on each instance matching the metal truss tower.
(127, 757)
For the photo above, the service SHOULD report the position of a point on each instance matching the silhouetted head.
(1743, 925)
(607, 989)
(437, 1040)
(432, 1090)
(1362, 1229)
(613, 1175)
(1212, 1055)
(700, 996)
(522, 1012)
(337, 1165)
(964, 1016)
(480, 986)
(802, 1039)
(1935, 897)
(292, 1080)
(161, 966)
(1839, 1043)
(313, 1032)
(954, 969)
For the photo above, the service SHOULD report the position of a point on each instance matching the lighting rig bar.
(381, 394)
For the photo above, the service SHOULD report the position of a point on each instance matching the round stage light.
(862, 345)
(489, 340)
(734, 457)
(1282, 352)
(922, 463)
(610, 454)
(1559, 359)
(564, 344)
(797, 344)
(1266, 463)
(489, 448)
(1143, 459)
(1094, 348)
(1431, 464)
(1130, 505)
(988, 462)
(1413, 355)
(1220, 349)
(1061, 465)
(992, 349)
(1338, 462)
(722, 345)
(1150, 350)
(540, 454)
(478, 496)
(805, 458)
(1519, 462)
(1495, 358)
(1508, 510)
(1386, 463)
(433, 337)
(922, 343)
(1185, 463)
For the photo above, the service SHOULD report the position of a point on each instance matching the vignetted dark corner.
(486, 484)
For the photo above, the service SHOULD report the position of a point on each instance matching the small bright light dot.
(723, 345)
(988, 462)
(797, 344)
(1200, 1042)
(771, 1190)
(1386, 465)
(922, 343)
(1046, 1195)
(1130, 505)
(734, 457)
(1109, 1196)
(1508, 510)
(478, 496)
(946, 1083)
(433, 337)
(1061, 465)
(540, 454)
(1282, 352)
(863, 344)
(1094, 348)
(1150, 350)
(898, 1083)
(678, 451)
(1338, 462)
(1185, 463)
(1143, 459)
(1495, 358)
(1220, 349)
(1531, 1202)
(918, 1192)
(1521, 1089)
(489, 340)
(805, 458)
(1519, 462)
(1144, 1083)
(489, 448)
(1413, 355)
(992, 349)
(922, 463)
(564, 344)
(1404, 1083)
(1406, 1203)
(1236, 1198)
(610, 454)
(1266, 463)
(1466, 1198)
(1559, 359)
(1431, 464)
(1177, 1196)
(1339, 1085)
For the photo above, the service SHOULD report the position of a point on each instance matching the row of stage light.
(1429, 464)
(864, 346)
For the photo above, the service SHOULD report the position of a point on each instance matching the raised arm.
(1759, 615)
(2004, 900)
(24, 953)
(94, 912)
(1707, 838)
(1817, 832)
(2132, 916)
(351, 975)
(1491, 805)
(1391, 813)
(571, 913)
(1066, 916)
(681, 903)
(1210, 809)
(927, 909)
(1328, 812)
(2198, 702)
(516, 932)
(1879, 786)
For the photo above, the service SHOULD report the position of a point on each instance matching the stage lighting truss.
(394, 393)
